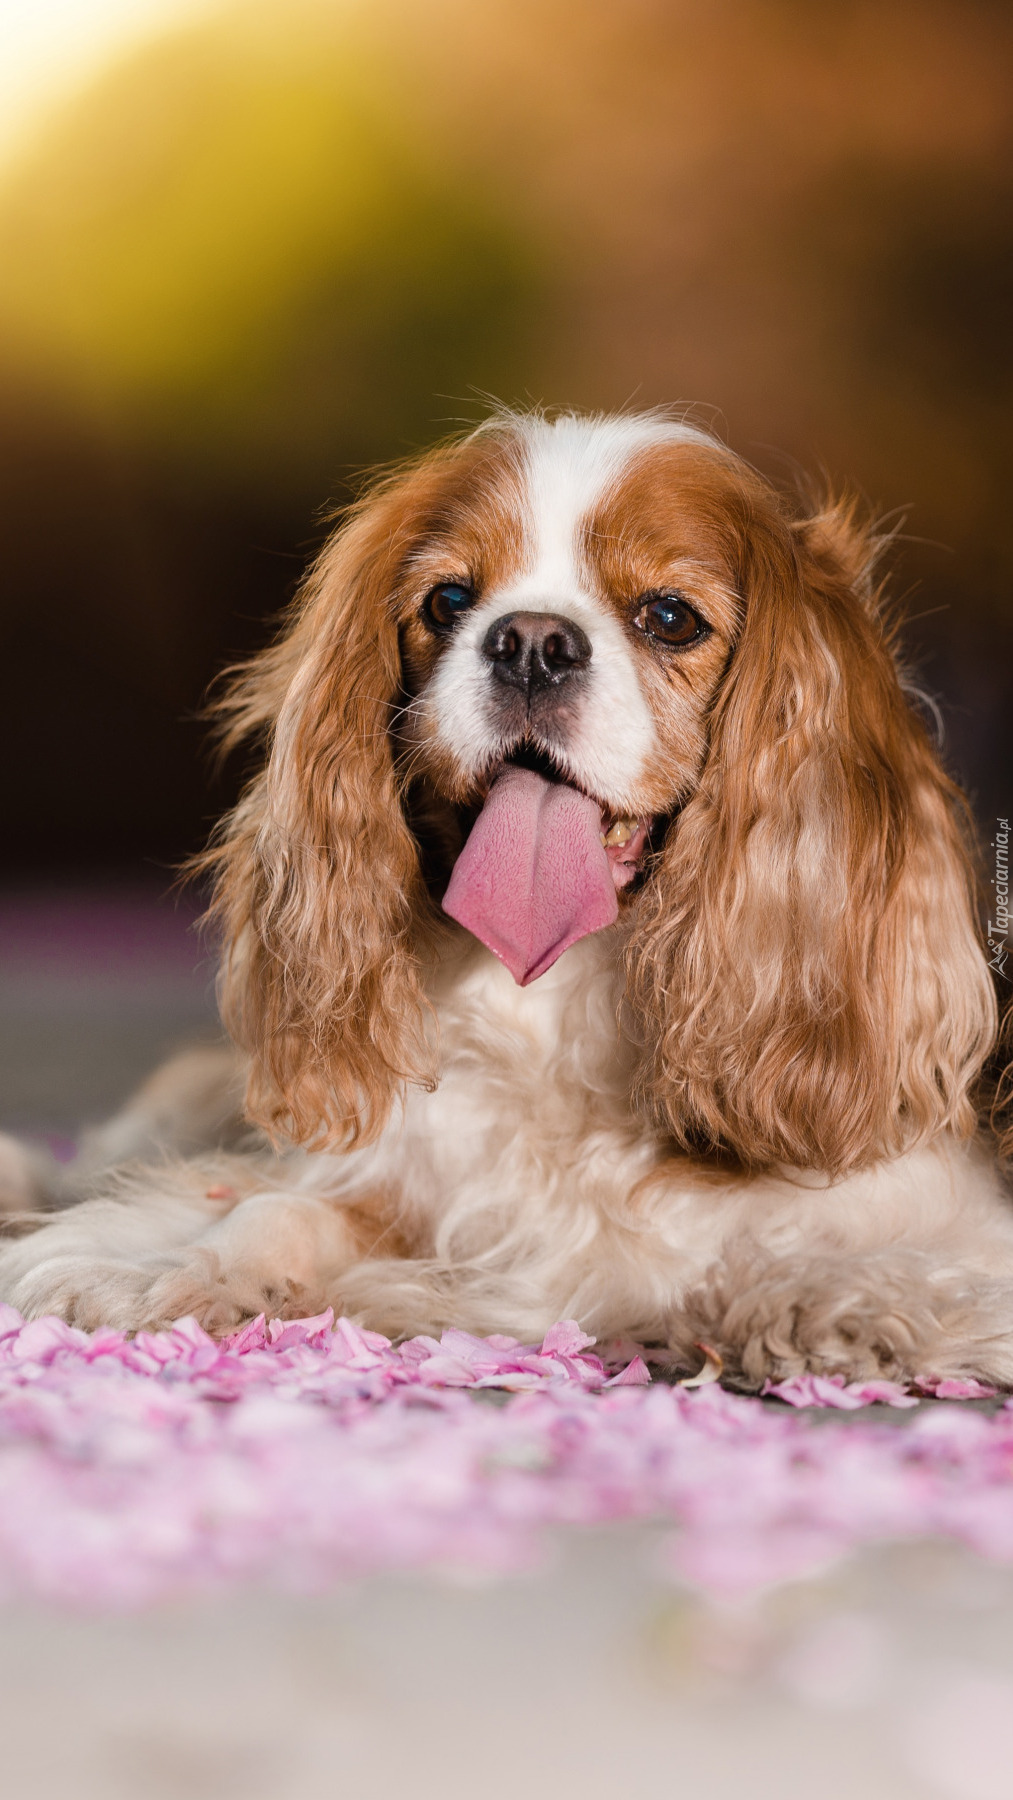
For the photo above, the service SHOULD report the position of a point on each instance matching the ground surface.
(885, 1672)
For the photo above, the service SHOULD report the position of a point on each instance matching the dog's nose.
(535, 650)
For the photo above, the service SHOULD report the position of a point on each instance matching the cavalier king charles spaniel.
(601, 936)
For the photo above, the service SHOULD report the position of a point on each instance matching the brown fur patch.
(805, 957)
(669, 524)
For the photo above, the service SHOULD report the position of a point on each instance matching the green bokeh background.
(235, 250)
(288, 242)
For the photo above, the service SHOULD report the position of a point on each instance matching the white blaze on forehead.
(570, 465)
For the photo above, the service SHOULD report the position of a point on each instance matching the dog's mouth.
(624, 836)
(543, 864)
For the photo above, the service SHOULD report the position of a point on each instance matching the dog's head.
(563, 671)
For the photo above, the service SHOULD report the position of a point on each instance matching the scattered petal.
(713, 1369)
(635, 1374)
(831, 1390)
(953, 1387)
(565, 1339)
(304, 1451)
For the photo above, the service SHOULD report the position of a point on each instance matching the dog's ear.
(319, 891)
(805, 960)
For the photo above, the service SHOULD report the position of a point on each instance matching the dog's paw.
(866, 1318)
(220, 1297)
(153, 1296)
(82, 1292)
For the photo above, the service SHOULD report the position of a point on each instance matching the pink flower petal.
(635, 1374)
(831, 1390)
(953, 1387)
(565, 1339)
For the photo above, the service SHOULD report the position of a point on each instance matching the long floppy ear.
(319, 892)
(808, 939)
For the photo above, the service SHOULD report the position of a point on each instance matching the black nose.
(535, 650)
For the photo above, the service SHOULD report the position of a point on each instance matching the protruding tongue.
(533, 876)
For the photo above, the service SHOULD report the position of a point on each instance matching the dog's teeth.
(621, 832)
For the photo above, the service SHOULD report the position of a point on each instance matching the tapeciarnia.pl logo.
(998, 928)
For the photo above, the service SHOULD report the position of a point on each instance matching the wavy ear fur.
(808, 937)
(319, 890)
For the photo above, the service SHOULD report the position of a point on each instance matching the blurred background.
(247, 249)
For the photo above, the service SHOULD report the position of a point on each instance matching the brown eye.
(446, 604)
(671, 621)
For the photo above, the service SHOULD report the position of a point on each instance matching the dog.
(601, 934)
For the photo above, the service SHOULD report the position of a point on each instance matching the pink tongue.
(533, 876)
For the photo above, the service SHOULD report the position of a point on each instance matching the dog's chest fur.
(533, 1107)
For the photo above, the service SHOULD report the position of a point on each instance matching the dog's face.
(569, 606)
(586, 666)
(581, 609)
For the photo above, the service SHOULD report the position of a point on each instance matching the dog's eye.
(671, 620)
(445, 604)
